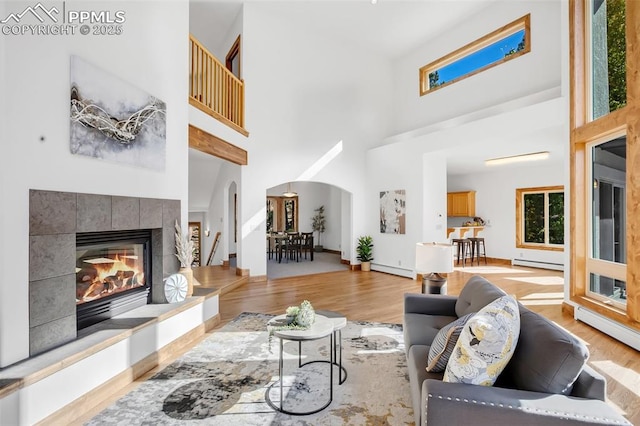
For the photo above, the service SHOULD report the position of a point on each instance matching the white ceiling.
(390, 27)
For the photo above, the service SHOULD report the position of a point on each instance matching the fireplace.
(112, 274)
(71, 236)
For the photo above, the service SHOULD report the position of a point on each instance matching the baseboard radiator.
(393, 270)
(618, 331)
(537, 264)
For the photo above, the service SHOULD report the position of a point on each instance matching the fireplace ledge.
(92, 340)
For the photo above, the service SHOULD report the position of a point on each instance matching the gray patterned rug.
(223, 380)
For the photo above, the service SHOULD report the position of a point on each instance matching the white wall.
(423, 177)
(515, 111)
(530, 73)
(305, 94)
(223, 47)
(37, 105)
(203, 24)
(218, 217)
(203, 174)
(6, 357)
(495, 202)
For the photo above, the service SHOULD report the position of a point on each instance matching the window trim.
(231, 55)
(523, 23)
(582, 132)
(606, 268)
(520, 193)
(279, 216)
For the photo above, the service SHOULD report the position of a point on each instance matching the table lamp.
(431, 260)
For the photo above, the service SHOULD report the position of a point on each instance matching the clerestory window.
(502, 45)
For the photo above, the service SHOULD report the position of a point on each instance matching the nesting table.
(324, 326)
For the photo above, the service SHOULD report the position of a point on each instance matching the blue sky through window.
(483, 57)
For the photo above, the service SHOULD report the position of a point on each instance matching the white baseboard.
(537, 264)
(617, 331)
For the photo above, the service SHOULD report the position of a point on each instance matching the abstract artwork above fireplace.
(113, 120)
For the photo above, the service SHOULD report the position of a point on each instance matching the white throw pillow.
(486, 344)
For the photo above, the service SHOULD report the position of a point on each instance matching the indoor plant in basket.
(365, 252)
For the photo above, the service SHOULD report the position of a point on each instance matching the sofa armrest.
(430, 304)
(456, 403)
(590, 384)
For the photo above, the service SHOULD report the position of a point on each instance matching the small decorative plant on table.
(297, 318)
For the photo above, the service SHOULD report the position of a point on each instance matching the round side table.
(321, 328)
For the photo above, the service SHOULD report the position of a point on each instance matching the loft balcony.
(213, 89)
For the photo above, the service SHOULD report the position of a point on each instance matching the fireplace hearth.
(112, 274)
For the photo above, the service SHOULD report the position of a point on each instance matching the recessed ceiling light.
(517, 158)
(374, 1)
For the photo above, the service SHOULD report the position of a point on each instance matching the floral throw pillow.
(486, 344)
(443, 344)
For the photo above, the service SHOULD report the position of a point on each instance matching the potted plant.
(184, 253)
(365, 252)
(318, 225)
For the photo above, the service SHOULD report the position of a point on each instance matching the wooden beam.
(213, 145)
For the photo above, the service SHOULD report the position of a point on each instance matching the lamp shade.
(434, 257)
(289, 193)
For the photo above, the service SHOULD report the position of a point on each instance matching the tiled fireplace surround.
(54, 220)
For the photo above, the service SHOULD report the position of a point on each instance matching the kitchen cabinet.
(461, 204)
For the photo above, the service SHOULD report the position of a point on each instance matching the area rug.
(223, 381)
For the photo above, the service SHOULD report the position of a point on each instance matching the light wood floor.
(373, 296)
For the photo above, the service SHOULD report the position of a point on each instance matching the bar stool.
(476, 243)
(462, 248)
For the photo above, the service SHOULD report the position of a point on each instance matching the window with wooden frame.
(604, 138)
(502, 45)
(540, 218)
(282, 214)
(232, 60)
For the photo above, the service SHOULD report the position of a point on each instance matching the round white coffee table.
(321, 328)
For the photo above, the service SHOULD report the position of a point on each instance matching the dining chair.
(307, 244)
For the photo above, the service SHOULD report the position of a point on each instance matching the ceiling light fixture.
(374, 1)
(289, 193)
(517, 158)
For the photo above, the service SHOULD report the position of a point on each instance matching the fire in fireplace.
(112, 274)
(118, 269)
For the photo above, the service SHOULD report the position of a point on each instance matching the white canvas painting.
(392, 212)
(114, 121)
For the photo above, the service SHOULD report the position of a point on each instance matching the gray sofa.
(547, 381)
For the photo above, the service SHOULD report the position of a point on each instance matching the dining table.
(278, 245)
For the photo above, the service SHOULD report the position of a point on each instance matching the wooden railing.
(213, 89)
